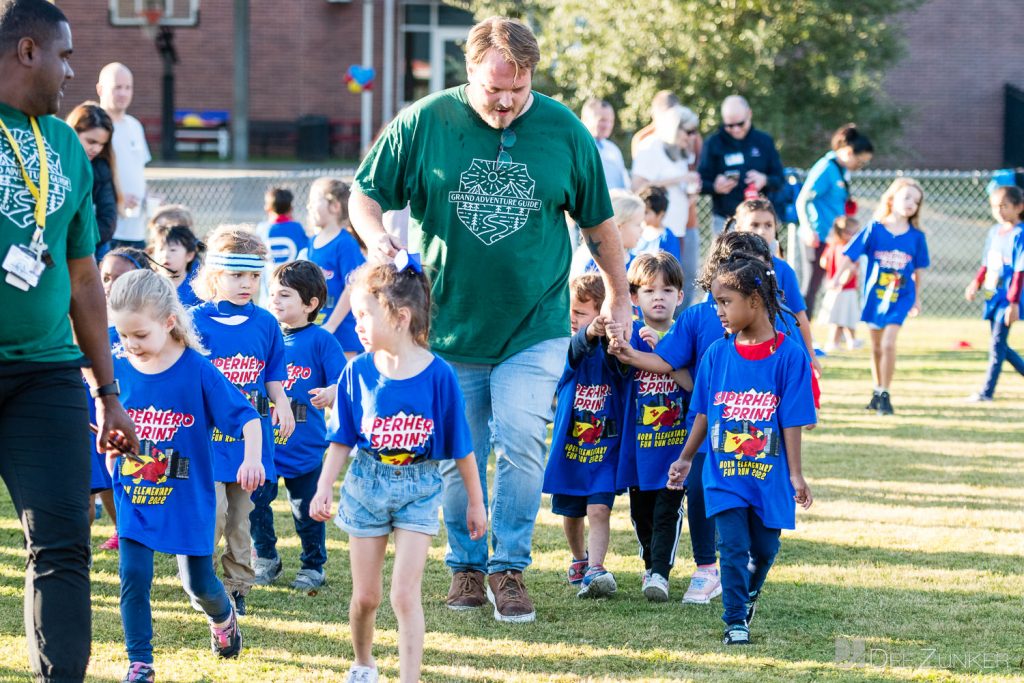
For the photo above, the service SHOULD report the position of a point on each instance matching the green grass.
(911, 551)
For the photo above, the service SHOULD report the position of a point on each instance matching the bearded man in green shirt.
(489, 170)
(49, 287)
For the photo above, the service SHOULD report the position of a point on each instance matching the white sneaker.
(705, 585)
(362, 674)
(644, 578)
(656, 589)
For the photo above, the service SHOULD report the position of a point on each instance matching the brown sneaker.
(467, 591)
(507, 593)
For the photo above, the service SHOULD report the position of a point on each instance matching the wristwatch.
(112, 389)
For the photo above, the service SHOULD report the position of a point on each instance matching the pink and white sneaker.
(705, 584)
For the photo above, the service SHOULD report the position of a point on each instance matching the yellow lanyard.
(42, 192)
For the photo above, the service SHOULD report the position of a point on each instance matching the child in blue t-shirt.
(758, 216)
(654, 425)
(285, 236)
(628, 216)
(400, 406)
(338, 251)
(654, 234)
(897, 254)
(113, 265)
(315, 360)
(580, 474)
(245, 344)
(165, 493)
(177, 249)
(1000, 277)
(751, 397)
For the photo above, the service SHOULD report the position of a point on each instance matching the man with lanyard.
(489, 170)
(50, 285)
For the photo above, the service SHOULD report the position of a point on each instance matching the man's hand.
(618, 316)
(110, 417)
(384, 248)
(724, 184)
(757, 179)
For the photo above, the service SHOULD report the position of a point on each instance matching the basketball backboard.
(142, 12)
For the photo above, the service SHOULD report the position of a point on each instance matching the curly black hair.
(748, 274)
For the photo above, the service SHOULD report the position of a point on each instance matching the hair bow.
(406, 261)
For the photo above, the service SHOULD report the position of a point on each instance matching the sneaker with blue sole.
(598, 583)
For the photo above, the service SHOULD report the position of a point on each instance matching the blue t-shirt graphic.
(748, 403)
(245, 344)
(286, 239)
(1002, 256)
(315, 360)
(400, 421)
(889, 291)
(338, 258)
(174, 413)
(588, 422)
(654, 426)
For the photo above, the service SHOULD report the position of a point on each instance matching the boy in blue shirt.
(315, 361)
(285, 237)
(580, 474)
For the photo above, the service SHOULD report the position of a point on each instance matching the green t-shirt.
(493, 236)
(35, 324)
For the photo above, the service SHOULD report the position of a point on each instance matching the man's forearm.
(89, 320)
(605, 245)
(366, 215)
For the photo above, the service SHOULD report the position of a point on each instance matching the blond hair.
(513, 40)
(171, 214)
(626, 206)
(141, 291)
(228, 240)
(884, 208)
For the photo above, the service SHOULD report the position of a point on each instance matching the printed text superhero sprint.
(239, 369)
(399, 432)
(152, 424)
(748, 406)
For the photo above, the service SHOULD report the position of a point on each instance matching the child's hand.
(815, 365)
(971, 290)
(620, 350)
(320, 505)
(616, 332)
(650, 336)
(282, 416)
(803, 492)
(1012, 313)
(323, 397)
(677, 472)
(914, 311)
(596, 328)
(476, 520)
(251, 476)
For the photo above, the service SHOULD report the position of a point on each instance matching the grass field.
(906, 568)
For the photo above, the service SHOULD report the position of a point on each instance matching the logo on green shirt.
(494, 200)
(16, 202)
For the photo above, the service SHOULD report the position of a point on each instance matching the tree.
(806, 66)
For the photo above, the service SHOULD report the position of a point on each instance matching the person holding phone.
(736, 160)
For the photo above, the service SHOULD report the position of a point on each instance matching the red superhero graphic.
(750, 444)
(588, 432)
(151, 466)
(666, 415)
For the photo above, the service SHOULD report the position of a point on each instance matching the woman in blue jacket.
(824, 197)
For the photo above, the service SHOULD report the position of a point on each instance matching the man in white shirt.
(115, 89)
(599, 118)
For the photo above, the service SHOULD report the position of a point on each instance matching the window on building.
(433, 36)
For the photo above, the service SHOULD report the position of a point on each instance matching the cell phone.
(734, 174)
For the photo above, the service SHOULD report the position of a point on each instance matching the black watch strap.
(112, 389)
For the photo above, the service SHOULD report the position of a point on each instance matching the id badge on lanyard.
(23, 264)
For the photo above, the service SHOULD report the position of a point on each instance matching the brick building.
(950, 83)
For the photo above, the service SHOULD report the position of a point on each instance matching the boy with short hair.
(654, 236)
(655, 422)
(580, 472)
(315, 361)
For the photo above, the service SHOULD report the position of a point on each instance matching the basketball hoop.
(151, 17)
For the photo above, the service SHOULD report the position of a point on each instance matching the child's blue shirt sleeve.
(860, 243)
(796, 404)
(922, 259)
(342, 428)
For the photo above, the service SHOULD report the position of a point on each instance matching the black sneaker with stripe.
(737, 634)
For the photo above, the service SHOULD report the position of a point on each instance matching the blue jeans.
(508, 406)
(748, 549)
(690, 251)
(312, 534)
(998, 352)
(136, 570)
(702, 529)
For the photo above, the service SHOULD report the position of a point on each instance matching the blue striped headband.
(246, 263)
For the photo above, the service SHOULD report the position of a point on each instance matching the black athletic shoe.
(239, 601)
(751, 608)
(884, 404)
(737, 634)
(873, 403)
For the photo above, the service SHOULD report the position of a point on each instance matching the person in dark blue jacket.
(95, 131)
(736, 159)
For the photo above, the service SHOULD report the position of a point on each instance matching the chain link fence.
(955, 216)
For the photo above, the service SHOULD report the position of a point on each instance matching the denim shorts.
(576, 506)
(376, 498)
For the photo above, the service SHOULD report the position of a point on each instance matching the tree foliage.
(806, 66)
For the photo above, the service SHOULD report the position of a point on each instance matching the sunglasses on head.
(507, 140)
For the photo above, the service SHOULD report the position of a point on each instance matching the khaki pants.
(233, 507)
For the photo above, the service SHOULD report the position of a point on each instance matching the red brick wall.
(950, 84)
(300, 50)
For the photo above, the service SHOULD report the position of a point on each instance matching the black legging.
(813, 274)
(45, 460)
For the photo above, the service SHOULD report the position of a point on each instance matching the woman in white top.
(665, 161)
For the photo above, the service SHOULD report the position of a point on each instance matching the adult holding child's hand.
(487, 205)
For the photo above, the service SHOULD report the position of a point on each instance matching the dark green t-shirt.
(35, 325)
(493, 236)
